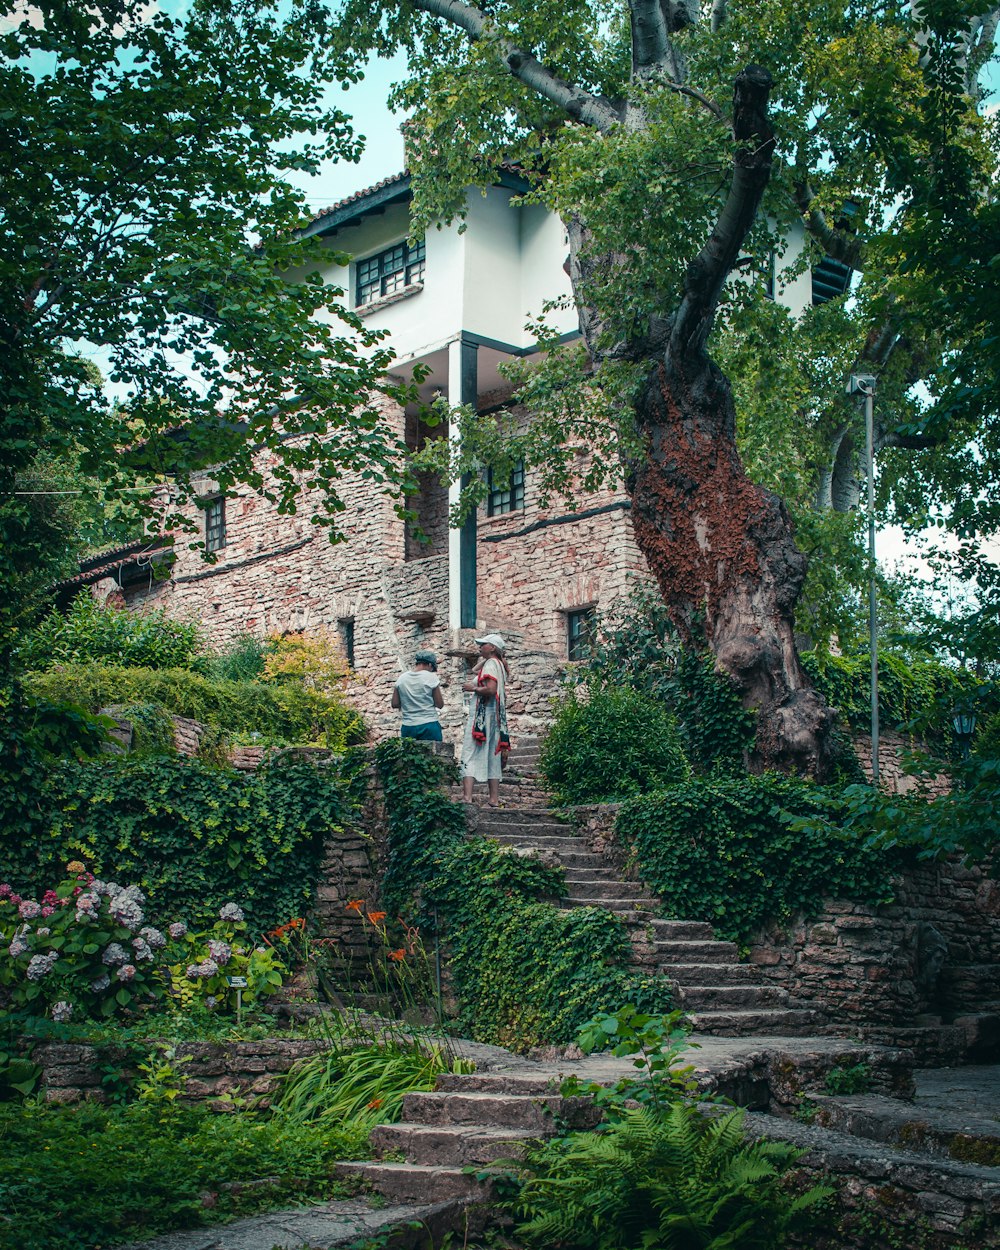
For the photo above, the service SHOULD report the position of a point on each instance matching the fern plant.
(680, 1180)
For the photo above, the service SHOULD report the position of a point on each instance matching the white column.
(454, 491)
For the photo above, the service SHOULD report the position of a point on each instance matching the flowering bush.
(85, 949)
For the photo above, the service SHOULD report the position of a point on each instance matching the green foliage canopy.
(148, 222)
(619, 116)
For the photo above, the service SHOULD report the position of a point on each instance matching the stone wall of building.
(386, 595)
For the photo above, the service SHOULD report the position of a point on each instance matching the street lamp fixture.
(964, 724)
(864, 384)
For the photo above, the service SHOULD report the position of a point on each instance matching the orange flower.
(298, 923)
(355, 904)
(375, 1104)
(398, 956)
(376, 917)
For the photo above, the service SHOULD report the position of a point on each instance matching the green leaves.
(193, 836)
(613, 743)
(746, 852)
(525, 972)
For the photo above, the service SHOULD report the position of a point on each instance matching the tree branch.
(841, 245)
(580, 105)
(707, 273)
(653, 22)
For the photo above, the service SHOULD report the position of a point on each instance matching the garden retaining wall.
(923, 971)
(72, 1071)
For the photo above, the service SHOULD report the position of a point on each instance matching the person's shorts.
(430, 731)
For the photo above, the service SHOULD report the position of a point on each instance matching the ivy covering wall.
(194, 837)
(525, 972)
(729, 852)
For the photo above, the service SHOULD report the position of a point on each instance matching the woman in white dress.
(486, 740)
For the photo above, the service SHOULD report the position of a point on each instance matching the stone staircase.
(467, 1124)
(720, 994)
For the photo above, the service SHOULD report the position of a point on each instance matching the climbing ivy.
(525, 972)
(193, 836)
(724, 851)
(914, 695)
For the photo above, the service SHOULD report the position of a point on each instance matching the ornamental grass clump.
(86, 950)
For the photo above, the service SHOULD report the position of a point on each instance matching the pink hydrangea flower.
(29, 909)
(126, 972)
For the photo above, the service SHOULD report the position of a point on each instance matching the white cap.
(495, 640)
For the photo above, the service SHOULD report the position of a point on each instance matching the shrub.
(192, 836)
(724, 851)
(315, 659)
(278, 714)
(85, 949)
(90, 633)
(638, 647)
(614, 743)
(241, 660)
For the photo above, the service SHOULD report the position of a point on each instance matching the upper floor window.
(505, 494)
(215, 524)
(580, 626)
(390, 271)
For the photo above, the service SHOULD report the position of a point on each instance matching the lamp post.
(864, 384)
(964, 724)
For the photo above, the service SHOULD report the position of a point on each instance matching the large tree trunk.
(722, 551)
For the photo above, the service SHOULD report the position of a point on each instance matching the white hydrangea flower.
(231, 911)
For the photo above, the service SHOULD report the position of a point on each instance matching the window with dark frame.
(505, 495)
(580, 626)
(215, 524)
(390, 271)
(347, 638)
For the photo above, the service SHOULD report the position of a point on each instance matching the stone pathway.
(320, 1227)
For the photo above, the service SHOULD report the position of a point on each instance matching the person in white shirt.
(418, 696)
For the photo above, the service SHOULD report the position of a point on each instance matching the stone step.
(450, 1145)
(946, 1194)
(542, 843)
(522, 815)
(524, 832)
(415, 1182)
(585, 874)
(685, 952)
(769, 1022)
(730, 997)
(499, 1110)
(580, 861)
(711, 974)
(680, 930)
(963, 1135)
(524, 1084)
(615, 903)
(602, 886)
